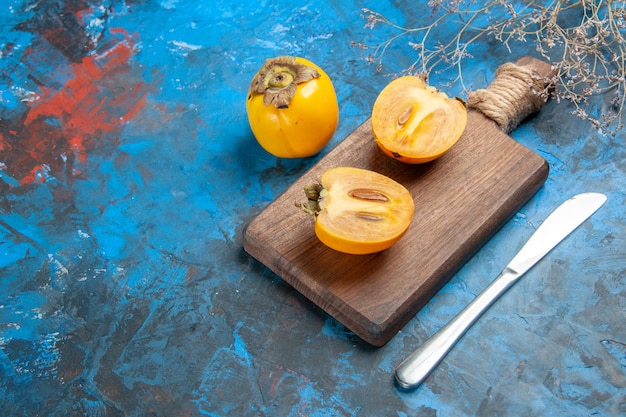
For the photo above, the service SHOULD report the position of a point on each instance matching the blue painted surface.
(124, 289)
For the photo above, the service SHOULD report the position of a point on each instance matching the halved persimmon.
(358, 211)
(416, 123)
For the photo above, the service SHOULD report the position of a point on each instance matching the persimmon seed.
(369, 195)
(369, 216)
(404, 117)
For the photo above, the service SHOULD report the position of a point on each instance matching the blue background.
(124, 288)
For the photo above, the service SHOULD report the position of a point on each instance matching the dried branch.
(583, 40)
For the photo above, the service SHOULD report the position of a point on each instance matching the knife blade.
(559, 224)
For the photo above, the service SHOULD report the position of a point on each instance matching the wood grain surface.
(461, 200)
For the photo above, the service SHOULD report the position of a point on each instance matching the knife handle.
(417, 366)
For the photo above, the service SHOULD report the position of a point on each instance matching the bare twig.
(584, 40)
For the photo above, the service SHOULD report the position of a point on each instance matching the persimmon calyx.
(278, 79)
(314, 193)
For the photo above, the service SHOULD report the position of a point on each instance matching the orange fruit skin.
(302, 129)
(353, 247)
(360, 226)
(414, 123)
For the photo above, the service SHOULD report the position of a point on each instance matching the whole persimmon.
(292, 107)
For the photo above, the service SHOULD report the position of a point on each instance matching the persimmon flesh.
(359, 211)
(416, 123)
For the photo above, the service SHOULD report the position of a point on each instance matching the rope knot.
(519, 90)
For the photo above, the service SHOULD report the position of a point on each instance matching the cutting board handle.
(519, 90)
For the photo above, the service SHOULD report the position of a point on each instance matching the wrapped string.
(516, 93)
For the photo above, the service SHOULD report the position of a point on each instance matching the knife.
(560, 223)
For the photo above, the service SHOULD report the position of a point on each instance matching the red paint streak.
(98, 100)
(88, 112)
(37, 174)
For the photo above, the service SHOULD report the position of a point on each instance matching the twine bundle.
(516, 93)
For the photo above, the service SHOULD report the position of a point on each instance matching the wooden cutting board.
(461, 200)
